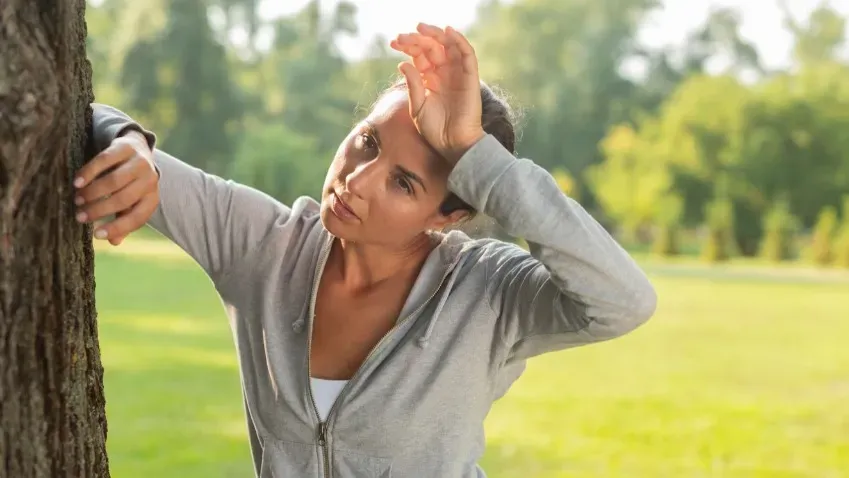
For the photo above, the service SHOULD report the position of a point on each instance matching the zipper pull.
(322, 434)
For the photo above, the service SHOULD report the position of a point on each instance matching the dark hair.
(497, 118)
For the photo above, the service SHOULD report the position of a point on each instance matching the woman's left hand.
(444, 88)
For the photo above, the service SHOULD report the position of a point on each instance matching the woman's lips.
(342, 210)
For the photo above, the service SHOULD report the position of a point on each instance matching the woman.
(371, 344)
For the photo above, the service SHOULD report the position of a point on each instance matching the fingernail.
(81, 217)
(100, 233)
(79, 200)
(78, 182)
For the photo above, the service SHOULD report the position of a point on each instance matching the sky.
(762, 20)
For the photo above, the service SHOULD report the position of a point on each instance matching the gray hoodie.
(478, 310)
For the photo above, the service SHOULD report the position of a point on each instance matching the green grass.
(738, 375)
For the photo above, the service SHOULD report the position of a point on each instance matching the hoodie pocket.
(282, 459)
(356, 465)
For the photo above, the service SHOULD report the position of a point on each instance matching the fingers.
(426, 53)
(117, 153)
(415, 87)
(108, 184)
(129, 221)
(119, 201)
(432, 31)
(437, 47)
(122, 181)
(467, 52)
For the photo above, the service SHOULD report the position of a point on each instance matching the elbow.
(636, 311)
(642, 307)
(645, 305)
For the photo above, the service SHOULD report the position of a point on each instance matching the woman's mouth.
(341, 209)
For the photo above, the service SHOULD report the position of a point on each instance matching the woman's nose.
(363, 178)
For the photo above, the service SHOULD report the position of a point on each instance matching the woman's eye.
(366, 141)
(404, 185)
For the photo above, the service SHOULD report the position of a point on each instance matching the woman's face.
(385, 184)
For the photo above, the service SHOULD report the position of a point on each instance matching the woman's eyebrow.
(412, 176)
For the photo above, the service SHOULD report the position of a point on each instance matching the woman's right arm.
(215, 221)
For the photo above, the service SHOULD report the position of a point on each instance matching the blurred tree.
(562, 58)
(720, 218)
(780, 230)
(639, 146)
(374, 73)
(279, 162)
(821, 250)
(841, 242)
(241, 16)
(719, 37)
(819, 39)
(310, 72)
(668, 219)
(52, 408)
(631, 181)
(685, 150)
(179, 81)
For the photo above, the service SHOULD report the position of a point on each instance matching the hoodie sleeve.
(577, 286)
(216, 221)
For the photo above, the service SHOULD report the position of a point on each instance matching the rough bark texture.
(52, 409)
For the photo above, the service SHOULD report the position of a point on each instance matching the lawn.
(738, 375)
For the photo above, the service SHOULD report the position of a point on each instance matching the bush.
(821, 250)
(841, 248)
(667, 215)
(841, 242)
(780, 228)
(666, 241)
(718, 244)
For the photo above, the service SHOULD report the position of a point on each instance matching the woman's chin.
(332, 223)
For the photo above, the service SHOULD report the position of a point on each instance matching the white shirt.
(325, 392)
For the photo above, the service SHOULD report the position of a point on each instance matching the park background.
(712, 138)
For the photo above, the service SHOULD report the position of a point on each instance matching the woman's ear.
(442, 221)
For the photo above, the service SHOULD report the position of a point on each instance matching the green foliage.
(631, 181)
(280, 163)
(666, 241)
(718, 242)
(841, 241)
(224, 88)
(841, 248)
(179, 84)
(562, 59)
(566, 182)
(821, 250)
(667, 217)
(780, 230)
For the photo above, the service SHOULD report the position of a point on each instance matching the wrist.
(456, 151)
(135, 136)
(140, 141)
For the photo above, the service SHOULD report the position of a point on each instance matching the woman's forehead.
(391, 119)
(394, 105)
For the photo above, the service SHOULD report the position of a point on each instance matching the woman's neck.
(361, 267)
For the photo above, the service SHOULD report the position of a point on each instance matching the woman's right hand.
(121, 180)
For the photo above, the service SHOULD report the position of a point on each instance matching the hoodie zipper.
(322, 431)
(322, 425)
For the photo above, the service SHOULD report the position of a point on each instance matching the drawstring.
(423, 340)
(298, 325)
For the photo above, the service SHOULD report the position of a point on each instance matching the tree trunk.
(52, 409)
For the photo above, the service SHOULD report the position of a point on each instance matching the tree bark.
(52, 408)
